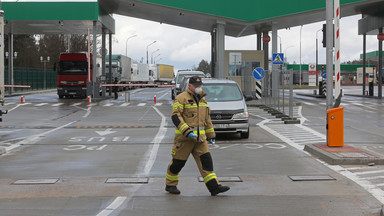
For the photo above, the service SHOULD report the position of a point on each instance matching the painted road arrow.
(106, 132)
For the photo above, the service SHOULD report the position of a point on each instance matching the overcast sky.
(185, 48)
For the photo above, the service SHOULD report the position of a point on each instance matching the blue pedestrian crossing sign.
(278, 58)
(259, 73)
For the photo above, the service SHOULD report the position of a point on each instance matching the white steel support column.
(103, 53)
(10, 62)
(275, 68)
(220, 47)
(2, 89)
(94, 53)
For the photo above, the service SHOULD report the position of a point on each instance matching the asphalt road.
(65, 157)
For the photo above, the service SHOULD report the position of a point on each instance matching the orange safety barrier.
(335, 127)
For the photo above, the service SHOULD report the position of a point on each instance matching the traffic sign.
(259, 73)
(278, 58)
(324, 74)
(380, 36)
(266, 38)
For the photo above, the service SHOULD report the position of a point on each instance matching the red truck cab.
(72, 75)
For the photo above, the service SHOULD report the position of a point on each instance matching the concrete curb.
(332, 159)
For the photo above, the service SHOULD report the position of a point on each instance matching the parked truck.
(121, 68)
(72, 74)
(141, 73)
(162, 74)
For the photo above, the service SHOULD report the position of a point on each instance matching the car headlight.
(241, 116)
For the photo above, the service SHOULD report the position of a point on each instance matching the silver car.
(229, 112)
(179, 77)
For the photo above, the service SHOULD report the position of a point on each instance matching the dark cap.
(195, 80)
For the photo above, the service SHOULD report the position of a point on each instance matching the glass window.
(222, 92)
(73, 67)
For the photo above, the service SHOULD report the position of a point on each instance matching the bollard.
(22, 99)
(89, 99)
(154, 99)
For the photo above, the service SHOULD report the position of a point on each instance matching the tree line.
(29, 48)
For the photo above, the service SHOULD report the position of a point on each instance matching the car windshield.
(73, 67)
(222, 92)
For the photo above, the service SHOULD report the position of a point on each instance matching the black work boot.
(172, 189)
(219, 189)
(216, 188)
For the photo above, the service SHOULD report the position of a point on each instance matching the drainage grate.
(312, 178)
(225, 179)
(35, 181)
(128, 180)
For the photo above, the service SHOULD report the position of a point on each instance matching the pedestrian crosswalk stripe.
(158, 104)
(141, 104)
(41, 104)
(124, 104)
(76, 104)
(58, 104)
(108, 104)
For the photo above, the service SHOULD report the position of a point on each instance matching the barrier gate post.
(335, 127)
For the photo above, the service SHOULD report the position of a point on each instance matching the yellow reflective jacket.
(191, 113)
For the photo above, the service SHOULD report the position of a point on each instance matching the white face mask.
(199, 90)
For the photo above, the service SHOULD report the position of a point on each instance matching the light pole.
(301, 28)
(281, 50)
(286, 60)
(317, 57)
(152, 61)
(126, 44)
(45, 69)
(147, 49)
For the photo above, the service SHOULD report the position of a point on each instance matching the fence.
(278, 92)
(36, 78)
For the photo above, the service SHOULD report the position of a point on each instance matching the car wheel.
(245, 135)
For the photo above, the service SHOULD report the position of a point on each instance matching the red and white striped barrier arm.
(17, 86)
(336, 8)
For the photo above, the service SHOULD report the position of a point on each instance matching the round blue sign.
(259, 73)
(324, 74)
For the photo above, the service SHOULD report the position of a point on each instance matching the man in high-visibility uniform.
(190, 115)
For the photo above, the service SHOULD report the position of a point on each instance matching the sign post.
(259, 74)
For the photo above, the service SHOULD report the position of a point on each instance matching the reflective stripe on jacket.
(192, 114)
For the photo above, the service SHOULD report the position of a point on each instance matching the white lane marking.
(141, 104)
(151, 153)
(76, 104)
(158, 104)
(113, 206)
(32, 139)
(88, 112)
(368, 172)
(58, 104)
(367, 185)
(11, 103)
(124, 104)
(17, 106)
(41, 104)
(108, 105)
(307, 103)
